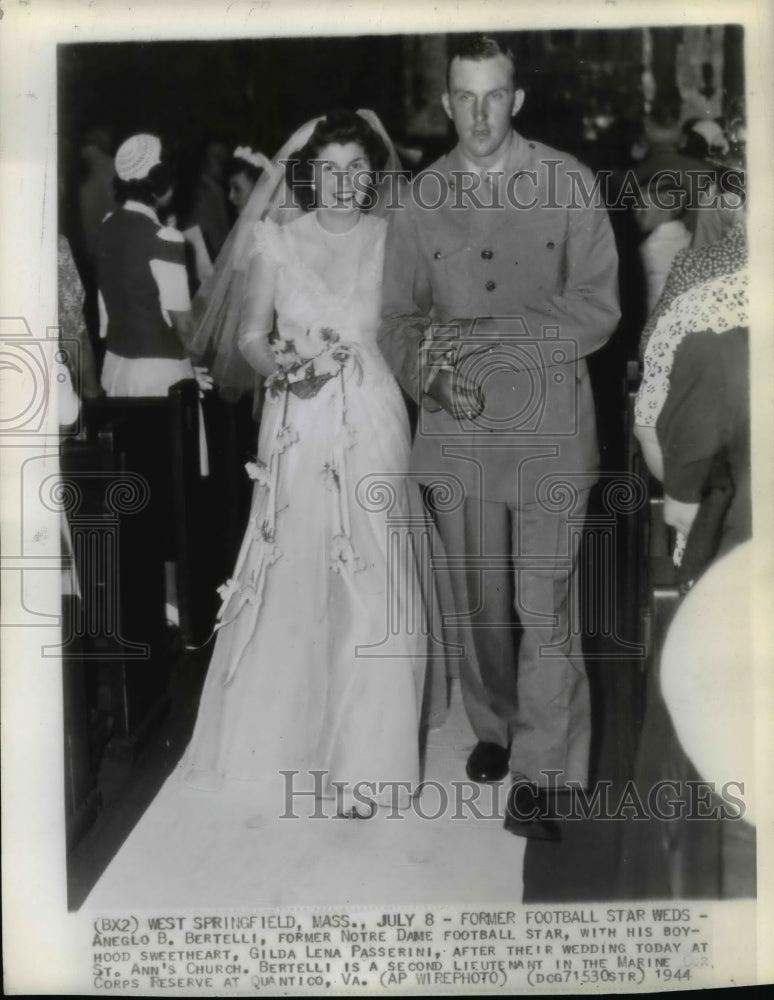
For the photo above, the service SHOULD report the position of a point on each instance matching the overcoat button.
(532, 145)
(437, 255)
(550, 244)
(490, 286)
(487, 254)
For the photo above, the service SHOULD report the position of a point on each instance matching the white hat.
(137, 156)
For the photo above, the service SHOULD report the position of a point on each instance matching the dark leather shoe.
(487, 762)
(527, 813)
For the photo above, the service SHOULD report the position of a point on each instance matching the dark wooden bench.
(140, 503)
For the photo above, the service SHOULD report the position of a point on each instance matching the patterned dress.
(706, 293)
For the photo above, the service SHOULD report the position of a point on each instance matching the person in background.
(209, 206)
(145, 308)
(72, 325)
(693, 423)
(243, 172)
(661, 220)
(687, 414)
(74, 371)
(703, 445)
(81, 216)
(96, 196)
(703, 433)
(143, 287)
(669, 154)
(203, 211)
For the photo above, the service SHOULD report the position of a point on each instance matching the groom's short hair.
(478, 48)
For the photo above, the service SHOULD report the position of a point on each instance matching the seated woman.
(143, 287)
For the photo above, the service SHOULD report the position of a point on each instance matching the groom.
(500, 277)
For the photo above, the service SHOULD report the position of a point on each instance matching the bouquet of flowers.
(307, 363)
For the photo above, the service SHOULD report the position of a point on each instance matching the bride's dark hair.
(340, 127)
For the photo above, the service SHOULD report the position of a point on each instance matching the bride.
(321, 639)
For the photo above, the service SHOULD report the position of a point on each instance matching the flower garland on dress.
(319, 357)
(316, 358)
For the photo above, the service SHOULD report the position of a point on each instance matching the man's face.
(481, 102)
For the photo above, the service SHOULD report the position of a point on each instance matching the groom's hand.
(457, 394)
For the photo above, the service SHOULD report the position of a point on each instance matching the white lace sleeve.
(267, 240)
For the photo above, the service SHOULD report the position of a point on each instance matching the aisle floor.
(192, 849)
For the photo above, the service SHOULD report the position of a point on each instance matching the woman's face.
(342, 175)
(240, 187)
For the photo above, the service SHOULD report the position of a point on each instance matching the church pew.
(134, 467)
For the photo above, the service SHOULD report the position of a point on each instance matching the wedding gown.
(321, 645)
(293, 682)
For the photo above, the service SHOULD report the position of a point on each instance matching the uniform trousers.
(522, 673)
